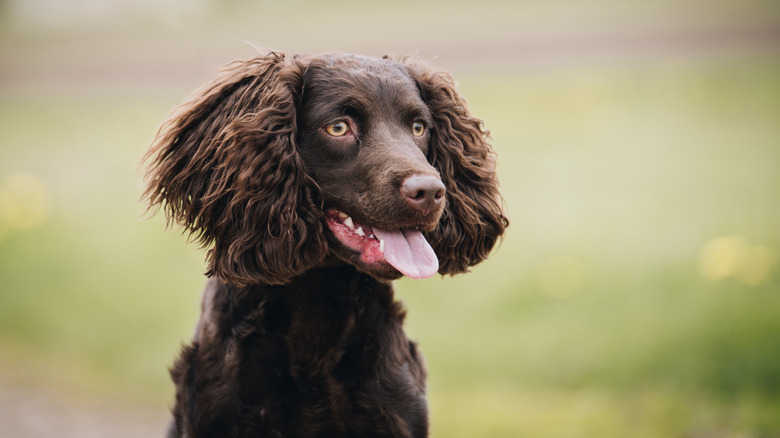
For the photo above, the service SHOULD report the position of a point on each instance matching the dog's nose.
(423, 192)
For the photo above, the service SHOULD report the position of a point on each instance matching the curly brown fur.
(474, 219)
(299, 334)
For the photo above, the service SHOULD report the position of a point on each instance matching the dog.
(314, 181)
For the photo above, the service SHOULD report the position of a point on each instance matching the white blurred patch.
(68, 14)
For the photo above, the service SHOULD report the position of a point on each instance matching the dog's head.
(284, 163)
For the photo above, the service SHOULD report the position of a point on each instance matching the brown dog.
(314, 180)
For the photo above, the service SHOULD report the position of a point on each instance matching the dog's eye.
(418, 129)
(338, 129)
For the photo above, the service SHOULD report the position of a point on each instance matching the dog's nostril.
(423, 192)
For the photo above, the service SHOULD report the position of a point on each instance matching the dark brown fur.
(298, 336)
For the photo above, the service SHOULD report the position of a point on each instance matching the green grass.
(592, 319)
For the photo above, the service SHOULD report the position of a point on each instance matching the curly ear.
(225, 166)
(473, 219)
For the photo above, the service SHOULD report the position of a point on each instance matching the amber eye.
(338, 129)
(418, 129)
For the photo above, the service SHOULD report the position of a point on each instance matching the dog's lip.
(357, 237)
(340, 221)
(403, 249)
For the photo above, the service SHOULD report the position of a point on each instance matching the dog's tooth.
(348, 222)
(381, 246)
(342, 215)
(360, 232)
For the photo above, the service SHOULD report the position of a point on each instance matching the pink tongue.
(409, 252)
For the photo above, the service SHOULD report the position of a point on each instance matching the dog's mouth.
(404, 249)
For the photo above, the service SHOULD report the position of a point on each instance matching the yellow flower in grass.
(25, 202)
(734, 257)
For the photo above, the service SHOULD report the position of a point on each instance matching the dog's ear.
(225, 166)
(473, 219)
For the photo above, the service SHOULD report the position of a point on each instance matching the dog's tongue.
(409, 252)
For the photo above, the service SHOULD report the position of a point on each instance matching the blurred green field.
(636, 293)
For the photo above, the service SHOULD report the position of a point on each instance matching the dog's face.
(364, 134)
(283, 162)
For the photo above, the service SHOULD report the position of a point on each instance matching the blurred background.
(636, 294)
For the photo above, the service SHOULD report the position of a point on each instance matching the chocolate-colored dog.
(315, 180)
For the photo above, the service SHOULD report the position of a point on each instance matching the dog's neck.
(322, 309)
